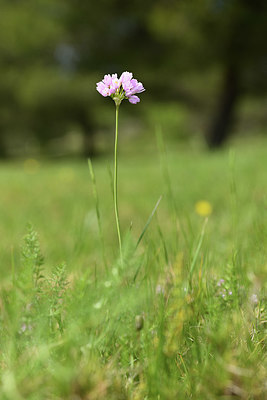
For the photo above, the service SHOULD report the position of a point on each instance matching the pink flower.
(121, 88)
(103, 89)
(133, 87)
(107, 80)
(126, 76)
(134, 99)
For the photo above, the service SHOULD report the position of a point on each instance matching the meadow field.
(184, 315)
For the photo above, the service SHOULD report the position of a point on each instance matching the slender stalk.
(116, 182)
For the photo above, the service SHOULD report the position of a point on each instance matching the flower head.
(203, 208)
(121, 88)
(221, 282)
(254, 299)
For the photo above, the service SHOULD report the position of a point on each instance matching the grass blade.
(193, 264)
(148, 221)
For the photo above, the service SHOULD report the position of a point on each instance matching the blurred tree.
(224, 33)
(41, 94)
(53, 51)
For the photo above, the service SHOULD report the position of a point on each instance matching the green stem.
(116, 182)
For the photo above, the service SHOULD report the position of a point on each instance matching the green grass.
(163, 325)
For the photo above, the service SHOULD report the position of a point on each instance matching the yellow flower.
(203, 208)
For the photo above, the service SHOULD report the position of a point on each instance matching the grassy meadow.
(184, 317)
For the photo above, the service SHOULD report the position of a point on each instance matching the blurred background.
(203, 64)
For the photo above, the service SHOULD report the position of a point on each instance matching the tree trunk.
(222, 123)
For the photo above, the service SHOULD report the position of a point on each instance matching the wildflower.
(121, 88)
(99, 304)
(125, 87)
(254, 299)
(224, 291)
(159, 289)
(23, 328)
(203, 208)
(220, 283)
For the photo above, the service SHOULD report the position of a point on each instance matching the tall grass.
(183, 317)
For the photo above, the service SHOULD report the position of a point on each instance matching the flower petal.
(134, 99)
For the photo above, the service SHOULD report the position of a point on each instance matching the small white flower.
(23, 328)
(254, 299)
(98, 305)
(159, 289)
